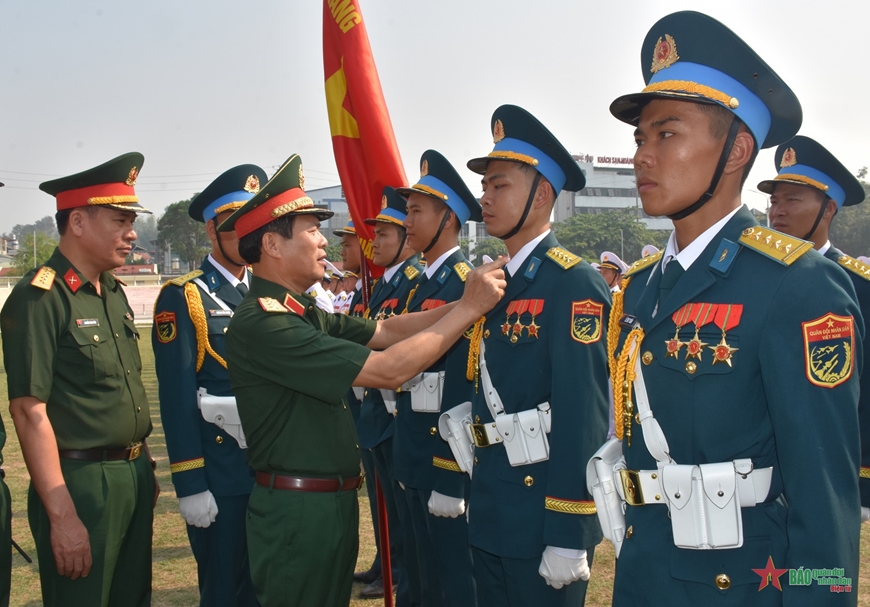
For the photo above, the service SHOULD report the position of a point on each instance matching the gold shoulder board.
(778, 246)
(411, 272)
(565, 259)
(643, 263)
(856, 267)
(186, 278)
(462, 270)
(44, 278)
(272, 305)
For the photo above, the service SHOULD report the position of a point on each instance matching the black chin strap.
(818, 218)
(528, 208)
(229, 259)
(402, 246)
(438, 233)
(717, 175)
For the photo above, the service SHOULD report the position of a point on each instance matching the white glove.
(865, 514)
(444, 505)
(561, 566)
(199, 510)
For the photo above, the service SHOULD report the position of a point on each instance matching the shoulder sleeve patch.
(44, 278)
(272, 305)
(856, 267)
(411, 272)
(181, 280)
(564, 259)
(780, 247)
(462, 269)
(643, 263)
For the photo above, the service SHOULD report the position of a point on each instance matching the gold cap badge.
(497, 131)
(424, 168)
(789, 158)
(132, 176)
(383, 202)
(252, 185)
(664, 54)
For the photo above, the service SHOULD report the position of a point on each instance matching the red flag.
(365, 147)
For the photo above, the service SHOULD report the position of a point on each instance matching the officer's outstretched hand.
(562, 566)
(444, 505)
(71, 546)
(198, 510)
(485, 286)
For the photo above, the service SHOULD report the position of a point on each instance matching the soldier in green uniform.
(809, 190)
(206, 448)
(740, 445)
(291, 366)
(5, 524)
(434, 486)
(71, 351)
(377, 419)
(539, 355)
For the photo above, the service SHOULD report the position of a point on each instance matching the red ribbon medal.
(506, 327)
(727, 317)
(703, 314)
(680, 318)
(536, 306)
(522, 307)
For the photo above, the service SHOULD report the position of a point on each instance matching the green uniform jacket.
(291, 365)
(860, 275)
(766, 405)
(517, 511)
(78, 353)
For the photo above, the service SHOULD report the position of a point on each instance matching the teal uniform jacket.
(417, 443)
(786, 401)
(388, 299)
(517, 511)
(202, 456)
(860, 275)
(356, 309)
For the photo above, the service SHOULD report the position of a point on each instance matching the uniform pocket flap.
(529, 422)
(719, 483)
(432, 382)
(505, 426)
(677, 483)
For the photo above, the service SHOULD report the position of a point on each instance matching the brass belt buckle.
(135, 451)
(631, 487)
(479, 433)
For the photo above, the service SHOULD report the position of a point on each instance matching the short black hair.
(62, 218)
(720, 122)
(529, 170)
(250, 245)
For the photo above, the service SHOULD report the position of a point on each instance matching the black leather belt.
(104, 455)
(301, 483)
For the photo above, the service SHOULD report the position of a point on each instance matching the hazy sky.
(199, 86)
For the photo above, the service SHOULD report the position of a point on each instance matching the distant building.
(331, 198)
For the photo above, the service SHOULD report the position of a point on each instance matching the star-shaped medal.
(533, 329)
(674, 344)
(506, 327)
(695, 347)
(722, 352)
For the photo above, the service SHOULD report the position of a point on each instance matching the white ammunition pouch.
(426, 390)
(602, 481)
(390, 398)
(223, 413)
(704, 501)
(359, 392)
(454, 427)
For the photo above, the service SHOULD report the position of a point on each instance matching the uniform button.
(647, 357)
(357, 446)
(514, 339)
(529, 481)
(138, 409)
(116, 336)
(486, 334)
(691, 367)
(723, 582)
(128, 371)
(219, 439)
(475, 460)
(344, 407)
(225, 329)
(629, 532)
(96, 338)
(433, 431)
(476, 419)
(366, 393)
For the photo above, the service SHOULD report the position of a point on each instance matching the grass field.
(174, 567)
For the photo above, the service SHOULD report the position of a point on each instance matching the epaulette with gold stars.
(778, 246)
(44, 278)
(856, 267)
(411, 272)
(181, 280)
(462, 269)
(564, 259)
(643, 263)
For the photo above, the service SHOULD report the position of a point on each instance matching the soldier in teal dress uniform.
(541, 354)
(434, 486)
(208, 464)
(377, 421)
(809, 190)
(750, 347)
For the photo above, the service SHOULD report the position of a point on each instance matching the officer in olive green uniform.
(5, 528)
(810, 188)
(208, 464)
(71, 352)
(744, 464)
(541, 354)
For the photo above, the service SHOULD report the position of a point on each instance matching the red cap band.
(106, 193)
(294, 199)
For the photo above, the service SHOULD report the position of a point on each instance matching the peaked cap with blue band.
(229, 192)
(520, 137)
(439, 180)
(394, 209)
(690, 56)
(804, 161)
(347, 230)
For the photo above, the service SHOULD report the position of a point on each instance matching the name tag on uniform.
(87, 322)
(220, 313)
